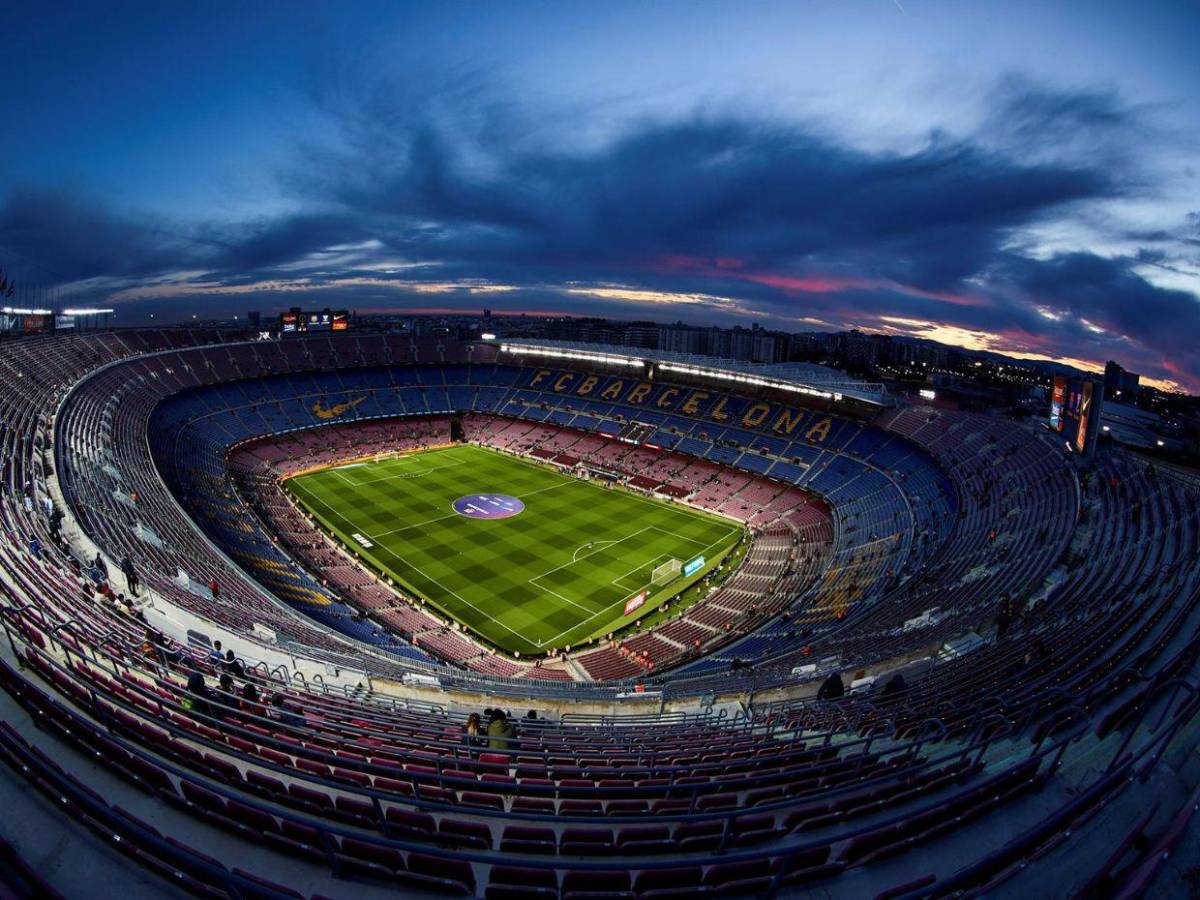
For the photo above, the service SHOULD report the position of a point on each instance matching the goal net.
(665, 572)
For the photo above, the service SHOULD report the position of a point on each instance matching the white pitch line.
(625, 575)
(453, 593)
(398, 475)
(547, 488)
(583, 622)
(566, 599)
(588, 546)
(382, 534)
(594, 552)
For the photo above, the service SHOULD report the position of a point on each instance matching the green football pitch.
(558, 571)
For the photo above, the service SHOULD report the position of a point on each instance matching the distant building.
(1119, 383)
(641, 334)
(680, 338)
(861, 348)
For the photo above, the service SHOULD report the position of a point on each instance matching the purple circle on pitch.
(488, 506)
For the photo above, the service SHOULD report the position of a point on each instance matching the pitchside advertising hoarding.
(638, 600)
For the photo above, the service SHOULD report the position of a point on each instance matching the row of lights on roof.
(749, 379)
(572, 354)
(670, 367)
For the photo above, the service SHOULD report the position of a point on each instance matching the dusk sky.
(1015, 176)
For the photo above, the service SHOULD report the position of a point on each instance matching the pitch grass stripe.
(487, 574)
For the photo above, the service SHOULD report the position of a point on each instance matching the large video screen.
(1075, 410)
(296, 320)
(24, 321)
(1085, 410)
(1058, 394)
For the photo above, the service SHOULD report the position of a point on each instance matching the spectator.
(251, 703)
(233, 665)
(226, 695)
(285, 713)
(833, 688)
(157, 647)
(1004, 618)
(215, 588)
(896, 686)
(472, 729)
(101, 566)
(150, 649)
(215, 656)
(35, 547)
(131, 578)
(502, 734)
(197, 698)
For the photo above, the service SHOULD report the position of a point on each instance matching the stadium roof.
(798, 377)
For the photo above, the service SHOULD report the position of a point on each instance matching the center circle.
(488, 506)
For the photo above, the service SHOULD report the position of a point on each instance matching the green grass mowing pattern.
(528, 583)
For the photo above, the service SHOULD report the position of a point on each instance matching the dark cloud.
(1110, 295)
(767, 194)
(251, 248)
(56, 236)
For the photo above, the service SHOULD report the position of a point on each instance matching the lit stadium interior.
(592, 521)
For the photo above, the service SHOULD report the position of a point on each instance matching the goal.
(665, 572)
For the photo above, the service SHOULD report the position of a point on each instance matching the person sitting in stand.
(251, 702)
(474, 730)
(833, 688)
(197, 699)
(286, 713)
(502, 734)
(226, 697)
(896, 686)
(233, 665)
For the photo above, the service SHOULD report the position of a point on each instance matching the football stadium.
(515, 618)
(600, 451)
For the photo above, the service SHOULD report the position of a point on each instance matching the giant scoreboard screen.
(297, 320)
(1075, 411)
